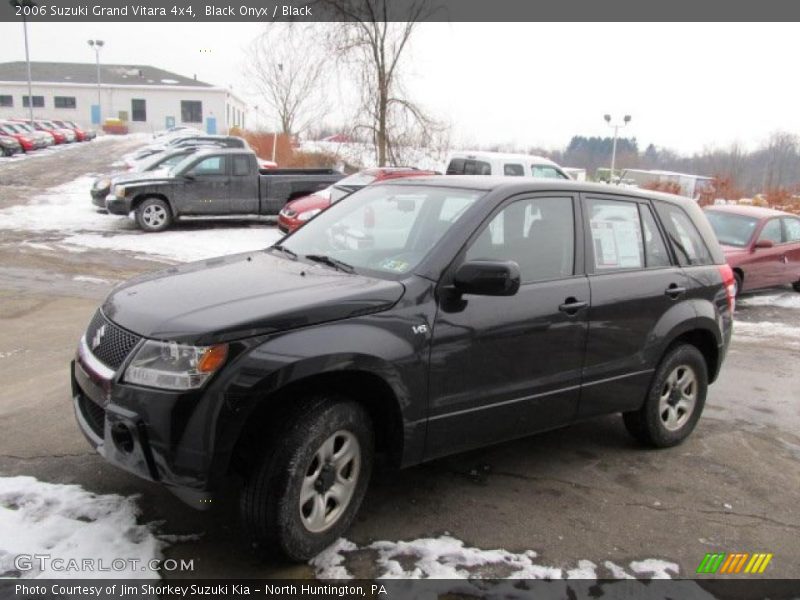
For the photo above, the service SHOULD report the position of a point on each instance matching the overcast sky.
(687, 86)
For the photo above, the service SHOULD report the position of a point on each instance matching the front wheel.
(153, 214)
(306, 489)
(796, 286)
(674, 401)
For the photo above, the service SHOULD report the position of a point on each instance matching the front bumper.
(288, 224)
(131, 428)
(116, 205)
(99, 197)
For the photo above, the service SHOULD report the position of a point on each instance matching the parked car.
(484, 317)
(297, 212)
(9, 146)
(228, 141)
(83, 135)
(158, 163)
(70, 136)
(27, 143)
(59, 136)
(762, 245)
(45, 138)
(212, 183)
(499, 163)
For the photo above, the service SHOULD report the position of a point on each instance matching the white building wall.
(161, 102)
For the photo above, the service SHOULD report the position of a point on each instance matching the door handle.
(572, 306)
(673, 291)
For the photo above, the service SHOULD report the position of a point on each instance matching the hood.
(311, 202)
(147, 177)
(243, 295)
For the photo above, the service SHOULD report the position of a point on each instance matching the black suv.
(418, 318)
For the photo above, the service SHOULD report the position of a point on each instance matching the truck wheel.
(153, 214)
(305, 490)
(675, 400)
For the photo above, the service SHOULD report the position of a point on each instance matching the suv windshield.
(731, 229)
(386, 230)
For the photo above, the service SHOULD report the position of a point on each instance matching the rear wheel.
(153, 214)
(675, 400)
(305, 490)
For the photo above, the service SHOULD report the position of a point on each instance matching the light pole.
(24, 4)
(96, 45)
(616, 127)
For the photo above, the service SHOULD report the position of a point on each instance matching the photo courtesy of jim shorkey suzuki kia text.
(364, 294)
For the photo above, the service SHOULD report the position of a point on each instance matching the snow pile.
(66, 212)
(446, 557)
(66, 522)
(760, 331)
(356, 153)
(785, 300)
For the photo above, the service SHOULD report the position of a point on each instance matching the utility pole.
(26, 4)
(616, 127)
(96, 45)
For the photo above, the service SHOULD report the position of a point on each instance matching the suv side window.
(772, 232)
(616, 232)
(513, 170)
(536, 233)
(546, 172)
(791, 227)
(468, 166)
(686, 241)
(655, 250)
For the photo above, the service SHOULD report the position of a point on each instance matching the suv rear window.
(468, 166)
(684, 238)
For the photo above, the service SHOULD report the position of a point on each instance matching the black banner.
(399, 10)
(153, 589)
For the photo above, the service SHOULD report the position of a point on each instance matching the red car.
(297, 212)
(58, 135)
(80, 134)
(762, 245)
(26, 141)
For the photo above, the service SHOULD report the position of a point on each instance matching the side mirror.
(764, 244)
(488, 278)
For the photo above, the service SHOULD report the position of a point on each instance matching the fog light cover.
(173, 366)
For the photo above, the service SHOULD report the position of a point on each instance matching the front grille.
(94, 415)
(113, 345)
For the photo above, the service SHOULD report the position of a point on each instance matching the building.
(146, 98)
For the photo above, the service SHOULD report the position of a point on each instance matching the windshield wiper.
(331, 262)
(290, 253)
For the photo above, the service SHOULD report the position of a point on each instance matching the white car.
(500, 163)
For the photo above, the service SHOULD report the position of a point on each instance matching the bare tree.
(371, 44)
(286, 71)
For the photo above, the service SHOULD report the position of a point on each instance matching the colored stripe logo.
(734, 563)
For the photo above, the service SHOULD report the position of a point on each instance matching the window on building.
(62, 101)
(38, 101)
(6, 100)
(191, 111)
(138, 109)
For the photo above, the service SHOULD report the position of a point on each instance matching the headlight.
(102, 183)
(173, 366)
(119, 191)
(305, 216)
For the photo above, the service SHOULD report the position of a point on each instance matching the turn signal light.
(213, 358)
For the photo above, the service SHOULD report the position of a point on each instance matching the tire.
(738, 282)
(674, 401)
(153, 214)
(303, 462)
(796, 286)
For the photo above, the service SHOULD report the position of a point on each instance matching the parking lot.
(582, 501)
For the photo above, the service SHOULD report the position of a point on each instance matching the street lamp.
(616, 126)
(96, 45)
(26, 4)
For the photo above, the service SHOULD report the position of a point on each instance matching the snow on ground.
(446, 557)
(66, 211)
(67, 522)
(783, 300)
(788, 335)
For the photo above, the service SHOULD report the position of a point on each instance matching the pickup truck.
(213, 183)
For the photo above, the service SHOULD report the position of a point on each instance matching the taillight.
(729, 282)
